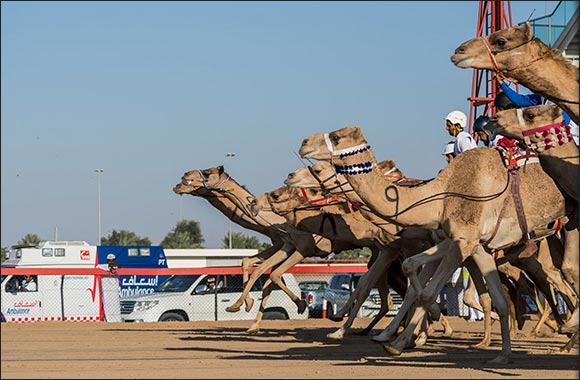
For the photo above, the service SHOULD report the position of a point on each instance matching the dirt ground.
(283, 349)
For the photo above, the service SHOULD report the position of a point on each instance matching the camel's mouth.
(307, 153)
(179, 189)
(462, 62)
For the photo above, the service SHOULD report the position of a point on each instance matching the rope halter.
(545, 137)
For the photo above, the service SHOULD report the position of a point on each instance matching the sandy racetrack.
(283, 349)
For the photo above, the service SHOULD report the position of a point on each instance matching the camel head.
(321, 173)
(503, 50)
(325, 146)
(390, 170)
(258, 204)
(286, 199)
(210, 179)
(539, 127)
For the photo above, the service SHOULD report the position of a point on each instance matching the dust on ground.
(283, 349)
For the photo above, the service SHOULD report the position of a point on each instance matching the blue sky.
(150, 90)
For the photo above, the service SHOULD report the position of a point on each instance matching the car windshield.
(313, 285)
(177, 283)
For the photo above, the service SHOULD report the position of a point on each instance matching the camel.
(542, 129)
(466, 207)
(515, 53)
(323, 174)
(308, 210)
(217, 183)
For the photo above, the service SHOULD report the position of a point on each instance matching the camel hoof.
(567, 330)
(482, 344)
(249, 304)
(501, 359)
(337, 335)
(253, 330)
(233, 308)
(301, 306)
(421, 339)
(379, 338)
(336, 318)
(391, 350)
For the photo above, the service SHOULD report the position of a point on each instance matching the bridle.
(549, 136)
(507, 73)
(493, 53)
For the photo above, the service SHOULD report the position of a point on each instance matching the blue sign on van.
(136, 257)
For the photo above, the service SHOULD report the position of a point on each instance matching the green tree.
(241, 241)
(359, 253)
(4, 253)
(186, 234)
(30, 239)
(123, 237)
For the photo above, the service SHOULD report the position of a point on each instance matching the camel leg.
(408, 302)
(443, 272)
(266, 290)
(249, 262)
(442, 275)
(476, 277)
(570, 271)
(487, 266)
(377, 274)
(263, 267)
(381, 265)
(276, 277)
(396, 282)
(383, 292)
(412, 264)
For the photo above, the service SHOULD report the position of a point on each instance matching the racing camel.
(516, 54)
(233, 200)
(466, 207)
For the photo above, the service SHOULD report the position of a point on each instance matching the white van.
(188, 298)
(56, 297)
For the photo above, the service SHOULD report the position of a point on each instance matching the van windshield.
(177, 283)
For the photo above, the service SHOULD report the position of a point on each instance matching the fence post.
(323, 308)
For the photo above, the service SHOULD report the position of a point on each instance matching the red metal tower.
(491, 18)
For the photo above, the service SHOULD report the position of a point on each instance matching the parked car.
(343, 284)
(313, 293)
(191, 298)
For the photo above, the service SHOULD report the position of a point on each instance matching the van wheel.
(171, 317)
(271, 315)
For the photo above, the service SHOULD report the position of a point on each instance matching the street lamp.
(231, 155)
(99, 171)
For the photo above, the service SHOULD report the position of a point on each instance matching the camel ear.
(528, 30)
(556, 112)
(220, 169)
(389, 164)
(358, 132)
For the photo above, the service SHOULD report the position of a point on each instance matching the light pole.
(99, 171)
(231, 155)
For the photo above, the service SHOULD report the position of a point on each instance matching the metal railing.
(548, 28)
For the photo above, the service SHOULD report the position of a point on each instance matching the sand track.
(283, 349)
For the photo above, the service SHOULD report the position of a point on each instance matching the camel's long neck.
(373, 187)
(236, 214)
(239, 196)
(555, 81)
